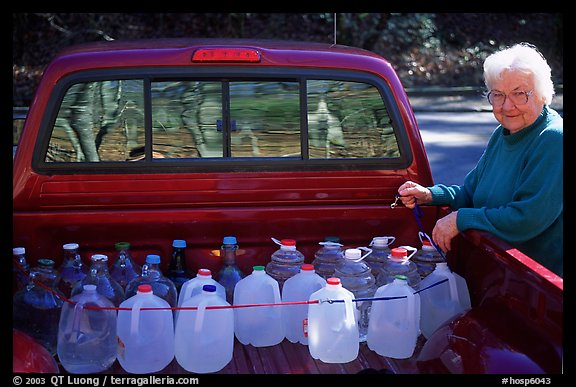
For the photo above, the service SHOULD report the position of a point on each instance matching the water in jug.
(193, 287)
(398, 262)
(443, 295)
(380, 247)
(20, 268)
(260, 326)
(285, 262)
(72, 270)
(124, 269)
(428, 256)
(230, 273)
(395, 320)
(204, 338)
(356, 276)
(297, 289)
(100, 276)
(332, 326)
(327, 257)
(145, 337)
(151, 274)
(87, 337)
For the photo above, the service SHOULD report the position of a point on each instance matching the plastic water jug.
(332, 327)
(444, 301)
(145, 337)
(260, 326)
(87, 337)
(285, 262)
(399, 263)
(427, 257)
(356, 276)
(204, 338)
(394, 323)
(193, 287)
(380, 247)
(299, 288)
(327, 257)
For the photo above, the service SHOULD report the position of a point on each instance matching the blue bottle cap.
(179, 243)
(152, 258)
(209, 288)
(229, 240)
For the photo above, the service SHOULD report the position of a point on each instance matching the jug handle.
(422, 235)
(135, 317)
(349, 319)
(76, 322)
(367, 250)
(453, 288)
(391, 239)
(201, 311)
(412, 249)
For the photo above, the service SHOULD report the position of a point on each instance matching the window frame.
(201, 165)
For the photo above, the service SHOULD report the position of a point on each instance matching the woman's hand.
(445, 230)
(411, 192)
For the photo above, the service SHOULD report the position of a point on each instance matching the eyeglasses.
(518, 98)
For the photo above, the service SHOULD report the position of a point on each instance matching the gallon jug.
(145, 337)
(444, 301)
(87, 337)
(356, 276)
(299, 288)
(394, 323)
(380, 247)
(399, 263)
(193, 287)
(260, 326)
(285, 262)
(327, 257)
(427, 257)
(204, 338)
(332, 327)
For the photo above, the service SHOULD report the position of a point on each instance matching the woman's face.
(516, 117)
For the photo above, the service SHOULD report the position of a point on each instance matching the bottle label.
(305, 327)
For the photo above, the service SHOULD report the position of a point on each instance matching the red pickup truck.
(150, 141)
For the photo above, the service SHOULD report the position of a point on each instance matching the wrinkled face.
(519, 115)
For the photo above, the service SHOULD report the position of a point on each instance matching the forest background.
(426, 49)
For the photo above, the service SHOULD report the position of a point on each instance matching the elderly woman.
(516, 189)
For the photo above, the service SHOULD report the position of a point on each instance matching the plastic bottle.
(380, 247)
(444, 301)
(72, 270)
(332, 327)
(230, 274)
(356, 276)
(204, 338)
(285, 262)
(427, 257)
(145, 337)
(124, 269)
(151, 274)
(100, 276)
(260, 326)
(193, 287)
(178, 270)
(36, 308)
(87, 337)
(327, 257)
(394, 323)
(299, 288)
(398, 263)
(20, 268)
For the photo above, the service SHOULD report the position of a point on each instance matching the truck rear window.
(160, 120)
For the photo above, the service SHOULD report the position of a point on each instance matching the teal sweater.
(516, 190)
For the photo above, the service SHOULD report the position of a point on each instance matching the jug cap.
(307, 267)
(122, 245)
(18, 250)
(70, 246)
(399, 253)
(258, 268)
(229, 240)
(333, 281)
(209, 288)
(144, 288)
(99, 257)
(288, 242)
(401, 277)
(204, 272)
(152, 258)
(179, 243)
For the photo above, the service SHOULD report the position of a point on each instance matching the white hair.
(523, 57)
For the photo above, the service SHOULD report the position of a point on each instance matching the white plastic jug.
(204, 338)
(332, 327)
(299, 288)
(260, 326)
(193, 287)
(442, 302)
(145, 337)
(394, 324)
(87, 337)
